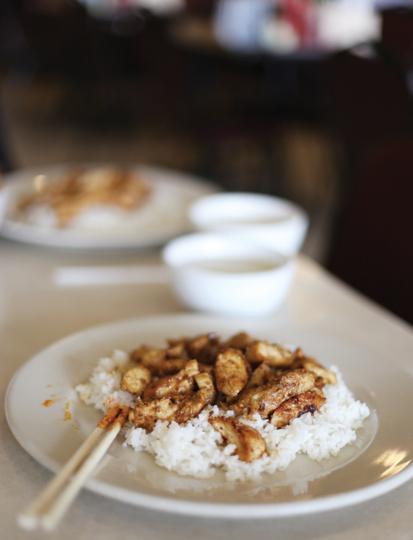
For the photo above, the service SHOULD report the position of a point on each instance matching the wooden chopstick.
(49, 507)
(56, 510)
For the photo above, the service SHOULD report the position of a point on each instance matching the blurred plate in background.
(161, 218)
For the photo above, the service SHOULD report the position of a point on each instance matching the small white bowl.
(263, 219)
(221, 274)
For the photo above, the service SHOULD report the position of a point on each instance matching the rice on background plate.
(195, 448)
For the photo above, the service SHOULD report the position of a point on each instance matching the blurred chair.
(372, 245)
(200, 8)
(369, 97)
(6, 162)
(370, 87)
(397, 35)
(372, 117)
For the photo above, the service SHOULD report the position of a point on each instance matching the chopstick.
(49, 507)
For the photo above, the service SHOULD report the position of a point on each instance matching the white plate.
(380, 461)
(162, 218)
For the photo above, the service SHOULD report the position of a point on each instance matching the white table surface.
(44, 297)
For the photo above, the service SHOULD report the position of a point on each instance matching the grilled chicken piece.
(169, 367)
(176, 349)
(206, 368)
(323, 375)
(135, 379)
(327, 376)
(261, 375)
(148, 356)
(173, 385)
(296, 406)
(239, 341)
(145, 415)
(180, 388)
(270, 353)
(265, 399)
(204, 348)
(231, 372)
(155, 360)
(191, 406)
(250, 444)
(196, 344)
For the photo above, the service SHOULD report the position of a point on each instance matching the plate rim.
(241, 510)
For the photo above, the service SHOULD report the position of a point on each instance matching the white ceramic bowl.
(263, 219)
(222, 274)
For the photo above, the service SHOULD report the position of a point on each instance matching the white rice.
(103, 386)
(196, 449)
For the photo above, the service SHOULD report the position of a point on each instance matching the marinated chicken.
(242, 375)
(250, 444)
(176, 349)
(206, 368)
(261, 375)
(270, 353)
(156, 361)
(193, 405)
(146, 414)
(239, 341)
(149, 357)
(265, 399)
(135, 379)
(323, 375)
(204, 348)
(231, 372)
(172, 385)
(292, 408)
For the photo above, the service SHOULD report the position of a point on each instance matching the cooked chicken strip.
(135, 379)
(206, 368)
(145, 415)
(148, 356)
(327, 376)
(284, 385)
(231, 372)
(265, 399)
(271, 353)
(176, 349)
(261, 375)
(296, 406)
(239, 341)
(250, 444)
(196, 344)
(173, 385)
(324, 375)
(169, 367)
(204, 348)
(191, 406)
(155, 360)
